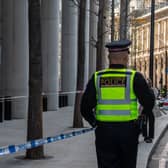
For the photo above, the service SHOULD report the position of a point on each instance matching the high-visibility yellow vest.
(116, 100)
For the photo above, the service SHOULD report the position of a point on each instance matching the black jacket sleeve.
(88, 103)
(144, 93)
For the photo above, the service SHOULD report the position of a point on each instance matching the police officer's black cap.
(118, 45)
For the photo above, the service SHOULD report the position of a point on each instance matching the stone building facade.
(140, 30)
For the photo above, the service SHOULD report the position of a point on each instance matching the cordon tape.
(35, 143)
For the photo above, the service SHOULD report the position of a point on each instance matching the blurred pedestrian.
(164, 92)
(149, 120)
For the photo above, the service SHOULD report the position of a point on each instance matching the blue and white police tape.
(35, 143)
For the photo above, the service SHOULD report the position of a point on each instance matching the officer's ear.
(128, 51)
(110, 56)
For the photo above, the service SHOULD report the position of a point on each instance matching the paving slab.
(75, 152)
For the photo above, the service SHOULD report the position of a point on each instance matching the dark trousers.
(148, 128)
(116, 145)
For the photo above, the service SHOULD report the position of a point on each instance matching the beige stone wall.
(141, 44)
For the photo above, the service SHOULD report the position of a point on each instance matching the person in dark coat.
(148, 128)
(109, 104)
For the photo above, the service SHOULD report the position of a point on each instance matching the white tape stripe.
(162, 161)
(12, 97)
(55, 93)
(165, 151)
(44, 93)
(35, 143)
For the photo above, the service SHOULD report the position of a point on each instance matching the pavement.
(75, 152)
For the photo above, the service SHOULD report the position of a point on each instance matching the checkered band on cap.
(118, 45)
(117, 49)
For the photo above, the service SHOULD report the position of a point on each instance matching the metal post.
(112, 20)
(152, 40)
(166, 71)
(123, 19)
(135, 47)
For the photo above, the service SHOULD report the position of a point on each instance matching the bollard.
(8, 108)
(44, 103)
(63, 100)
(1, 109)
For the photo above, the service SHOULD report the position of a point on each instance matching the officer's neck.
(117, 66)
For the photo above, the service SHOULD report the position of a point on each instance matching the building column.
(164, 33)
(1, 70)
(142, 34)
(1, 73)
(16, 54)
(147, 67)
(158, 43)
(92, 37)
(69, 49)
(50, 51)
(86, 74)
(160, 76)
(147, 38)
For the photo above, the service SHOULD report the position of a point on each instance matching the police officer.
(109, 103)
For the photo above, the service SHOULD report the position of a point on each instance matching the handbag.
(142, 123)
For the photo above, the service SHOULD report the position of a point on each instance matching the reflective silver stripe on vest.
(127, 99)
(114, 112)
